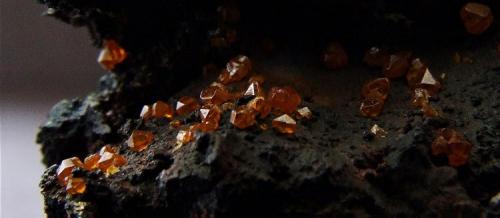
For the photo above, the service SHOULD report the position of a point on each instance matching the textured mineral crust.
(335, 163)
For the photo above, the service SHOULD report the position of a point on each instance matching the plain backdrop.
(42, 60)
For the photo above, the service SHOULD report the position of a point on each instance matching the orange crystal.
(260, 105)
(254, 89)
(377, 88)
(186, 105)
(139, 140)
(236, 69)
(371, 107)
(90, 162)
(76, 186)
(162, 109)
(335, 56)
(146, 112)
(396, 65)
(420, 97)
(242, 117)
(284, 99)
(210, 117)
(215, 94)
(185, 136)
(416, 72)
(304, 113)
(285, 124)
(108, 148)
(376, 57)
(65, 168)
(476, 17)
(111, 54)
(453, 144)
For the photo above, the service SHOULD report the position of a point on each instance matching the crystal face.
(335, 56)
(430, 83)
(186, 105)
(378, 88)
(285, 124)
(139, 140)
(236, 69)
(162, 109)
(111, 54)
(476, 17)
(260, 106)
(215, 94)
(304, 113)
(242, 117)
(452, 144)
(65, 168)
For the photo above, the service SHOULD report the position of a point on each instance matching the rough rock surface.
(330, 168)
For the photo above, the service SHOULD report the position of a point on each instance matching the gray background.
(42, 61)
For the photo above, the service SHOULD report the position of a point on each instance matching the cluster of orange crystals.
(452, 144)
(107, 160)
(420, 80)
(223, 95)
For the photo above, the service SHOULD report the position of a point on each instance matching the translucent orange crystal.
(452, 144)
(139, 140)
(76, 186)
(254, 89)
(285, 124)
(335, 56)
(236, 69)
(146, 112)
(476, 17)
(377, 88)
(284, 99)
(162, 109)
(111, 54)
(396, 65)
(210, 117)
(90, 162)
(371, 107)
(430, 83)
(304, 113)
(185, 136)
(376, 57)
(215, 94)
(65, 168)
(108, 148)
(260, 106)
(186, 105)
(242, 117)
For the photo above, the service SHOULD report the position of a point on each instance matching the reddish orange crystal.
(453, 144)
(90, 162)
(111, 54)
(377, 88)
(236, 69)
(376, 57)
(335, 56)
(139, 140)
(396, 65)
(162, 109)
(416, 72)
(285, 124)
(476, 17)
(146, 112)
(284, 99)
(304, 113)
(371, 107)
(76, 186)
(242, 117)
(186, 105)
(260, 105)
(65, 168)
(215, 94)
(210, 117)
(430, 83)
(185, 136)
(254, 89)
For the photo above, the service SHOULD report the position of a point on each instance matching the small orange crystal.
(376, 57)
(146, 112)
(76, 186)
(242, 117)
(377, 88)
(162, 109)
(254, 89)
(452, 144)
(139, 140)
(284, 99)
(111, 54)
(236, 69)
(371, 107)
(396, 65)
(90, 162)
(476, 17)
(186, 105)
(210, 117)
(65, 168)
(215, 94)
(335, 56)
(260, 105)
(185, 136)
(108, 148)
(420, 97)
(304, 113)
(428, 82)
(285, 124)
